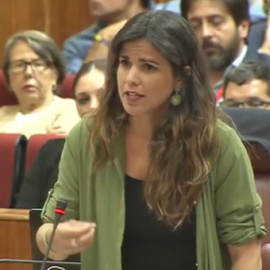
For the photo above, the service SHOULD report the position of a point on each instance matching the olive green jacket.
(227, 212)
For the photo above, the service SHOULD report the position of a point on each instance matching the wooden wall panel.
(58, 18)
(67, 17)
(16, 15)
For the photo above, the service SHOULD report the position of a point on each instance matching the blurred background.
(58, 18)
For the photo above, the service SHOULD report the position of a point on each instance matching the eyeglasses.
(250, 103)
(37, 65)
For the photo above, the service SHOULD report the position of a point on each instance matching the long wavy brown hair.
(186, 142)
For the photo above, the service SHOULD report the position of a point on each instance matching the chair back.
(12, 163)
(35, 143)
(67, 86)
(6, 97)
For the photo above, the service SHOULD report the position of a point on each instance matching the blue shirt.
(76, 47)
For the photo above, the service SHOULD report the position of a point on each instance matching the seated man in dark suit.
(44, 171)
(247, 85)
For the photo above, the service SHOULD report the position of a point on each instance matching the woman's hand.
(72, 237)
(54, 127)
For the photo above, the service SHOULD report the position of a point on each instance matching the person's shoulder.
(232, 154)
(8, 112)
(224, 130)
(173, 5)
(78, 139)
(85, 34)
(80, 133)
(229, 139)
(64, 101)
(257, 30)
(9, 109)
(256, 13)
(66, 105)
(261, 24)
(65, 111)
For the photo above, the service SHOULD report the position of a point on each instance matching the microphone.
(60, 211)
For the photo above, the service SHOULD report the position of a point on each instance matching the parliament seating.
(67, 86)
(6, 97)
(16, 157)
(35, 142)
(13, 147)
(12, 162)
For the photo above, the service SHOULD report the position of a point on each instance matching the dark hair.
(100, 64)
(247, 72)
(186, 136)
(42, 45)
(146, 3)
(239, 9)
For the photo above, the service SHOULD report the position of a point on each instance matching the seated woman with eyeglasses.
(41, 177)
(34, 71)
(247, 86)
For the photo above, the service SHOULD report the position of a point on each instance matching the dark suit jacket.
(41, 176)
(256, 35)
(252, 124)
(255, 41)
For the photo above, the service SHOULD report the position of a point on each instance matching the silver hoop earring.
(176, 98)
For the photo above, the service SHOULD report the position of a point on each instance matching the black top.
(151, 244)
(41, 176)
